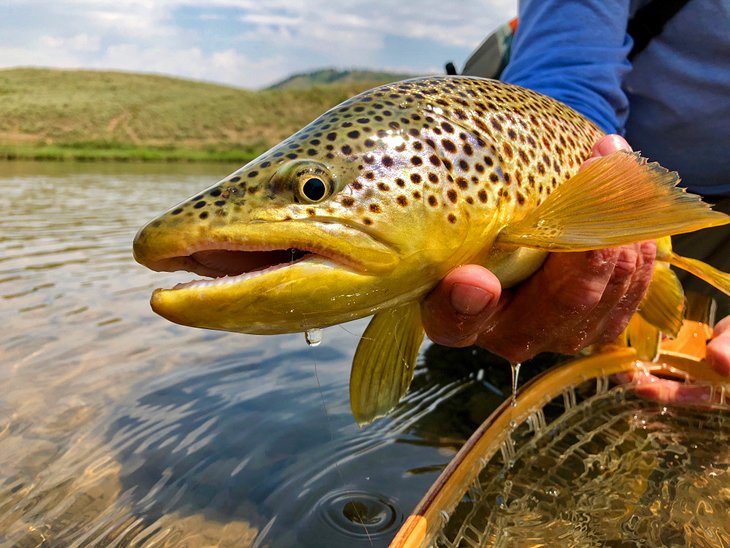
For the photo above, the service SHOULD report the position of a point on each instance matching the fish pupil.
(314, 189)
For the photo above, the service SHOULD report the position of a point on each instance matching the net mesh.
(598, 466)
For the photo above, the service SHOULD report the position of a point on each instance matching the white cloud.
(77, 43)
(246, 42)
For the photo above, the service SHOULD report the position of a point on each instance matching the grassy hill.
(334, 76)
(59, 114)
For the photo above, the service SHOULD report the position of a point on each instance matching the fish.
(365, 209)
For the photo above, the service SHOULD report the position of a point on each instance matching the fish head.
(356, 212)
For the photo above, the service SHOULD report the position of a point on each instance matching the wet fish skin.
(365, 209)
(423, 174)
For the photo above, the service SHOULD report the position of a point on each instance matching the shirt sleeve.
(575, 51)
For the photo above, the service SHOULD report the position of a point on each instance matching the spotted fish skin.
(421, 175)
(364, 210)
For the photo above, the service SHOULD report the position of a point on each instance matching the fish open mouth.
(226, 262)
(235, 253)
(225, 266)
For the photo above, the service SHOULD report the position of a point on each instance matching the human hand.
(718, 349)
(574, 300)
(668, 391)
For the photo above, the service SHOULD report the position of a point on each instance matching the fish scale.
(364, 210)
(429, 141)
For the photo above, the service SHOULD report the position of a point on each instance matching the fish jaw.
(268, 277)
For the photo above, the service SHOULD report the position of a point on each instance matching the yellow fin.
(716, 278)
(384, 361)
(644, 338)
(615, 200)
(663, 305)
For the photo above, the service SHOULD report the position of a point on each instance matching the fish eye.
(309, 181)
(313, 188)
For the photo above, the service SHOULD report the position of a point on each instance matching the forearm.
(575, 51)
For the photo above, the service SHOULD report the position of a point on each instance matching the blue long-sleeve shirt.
(672, 103)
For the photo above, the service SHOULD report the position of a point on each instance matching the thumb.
(455, 312)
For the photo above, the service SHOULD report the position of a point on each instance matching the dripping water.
(515, 374)
(313, 337)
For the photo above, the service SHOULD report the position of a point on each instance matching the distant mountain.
(334, 76)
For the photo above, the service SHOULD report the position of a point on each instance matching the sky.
(245, 43)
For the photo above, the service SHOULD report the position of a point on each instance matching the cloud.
(243, 42)
(77, 43)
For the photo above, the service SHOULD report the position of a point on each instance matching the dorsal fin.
(615, 200)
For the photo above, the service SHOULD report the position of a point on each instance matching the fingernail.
(612, 143)
(469, 300)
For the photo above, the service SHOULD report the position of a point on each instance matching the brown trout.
(364, 210)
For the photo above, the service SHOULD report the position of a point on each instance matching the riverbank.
(48, 114)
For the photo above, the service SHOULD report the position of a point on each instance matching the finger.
(718, 349)
(548, 311)
(628, 285)
(608, 144)
(667, 391)
(459, 307)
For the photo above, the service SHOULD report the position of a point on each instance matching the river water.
(120, 428)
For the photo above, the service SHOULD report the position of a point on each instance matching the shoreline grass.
(65, 153)
(63, 115)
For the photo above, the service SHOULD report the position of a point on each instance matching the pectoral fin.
(384, 361)
(615, 200)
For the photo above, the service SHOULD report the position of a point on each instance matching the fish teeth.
(229, 280)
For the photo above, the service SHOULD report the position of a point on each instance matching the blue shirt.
(673, 103)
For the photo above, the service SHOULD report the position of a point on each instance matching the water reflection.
(118, 426)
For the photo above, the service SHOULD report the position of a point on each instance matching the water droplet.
(313, 337)
(515, 375)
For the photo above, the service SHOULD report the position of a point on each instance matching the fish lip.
(216, 277)
(238, 278)
(166, 250)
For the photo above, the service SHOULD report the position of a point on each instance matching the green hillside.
(58, 114)
(334, 76)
